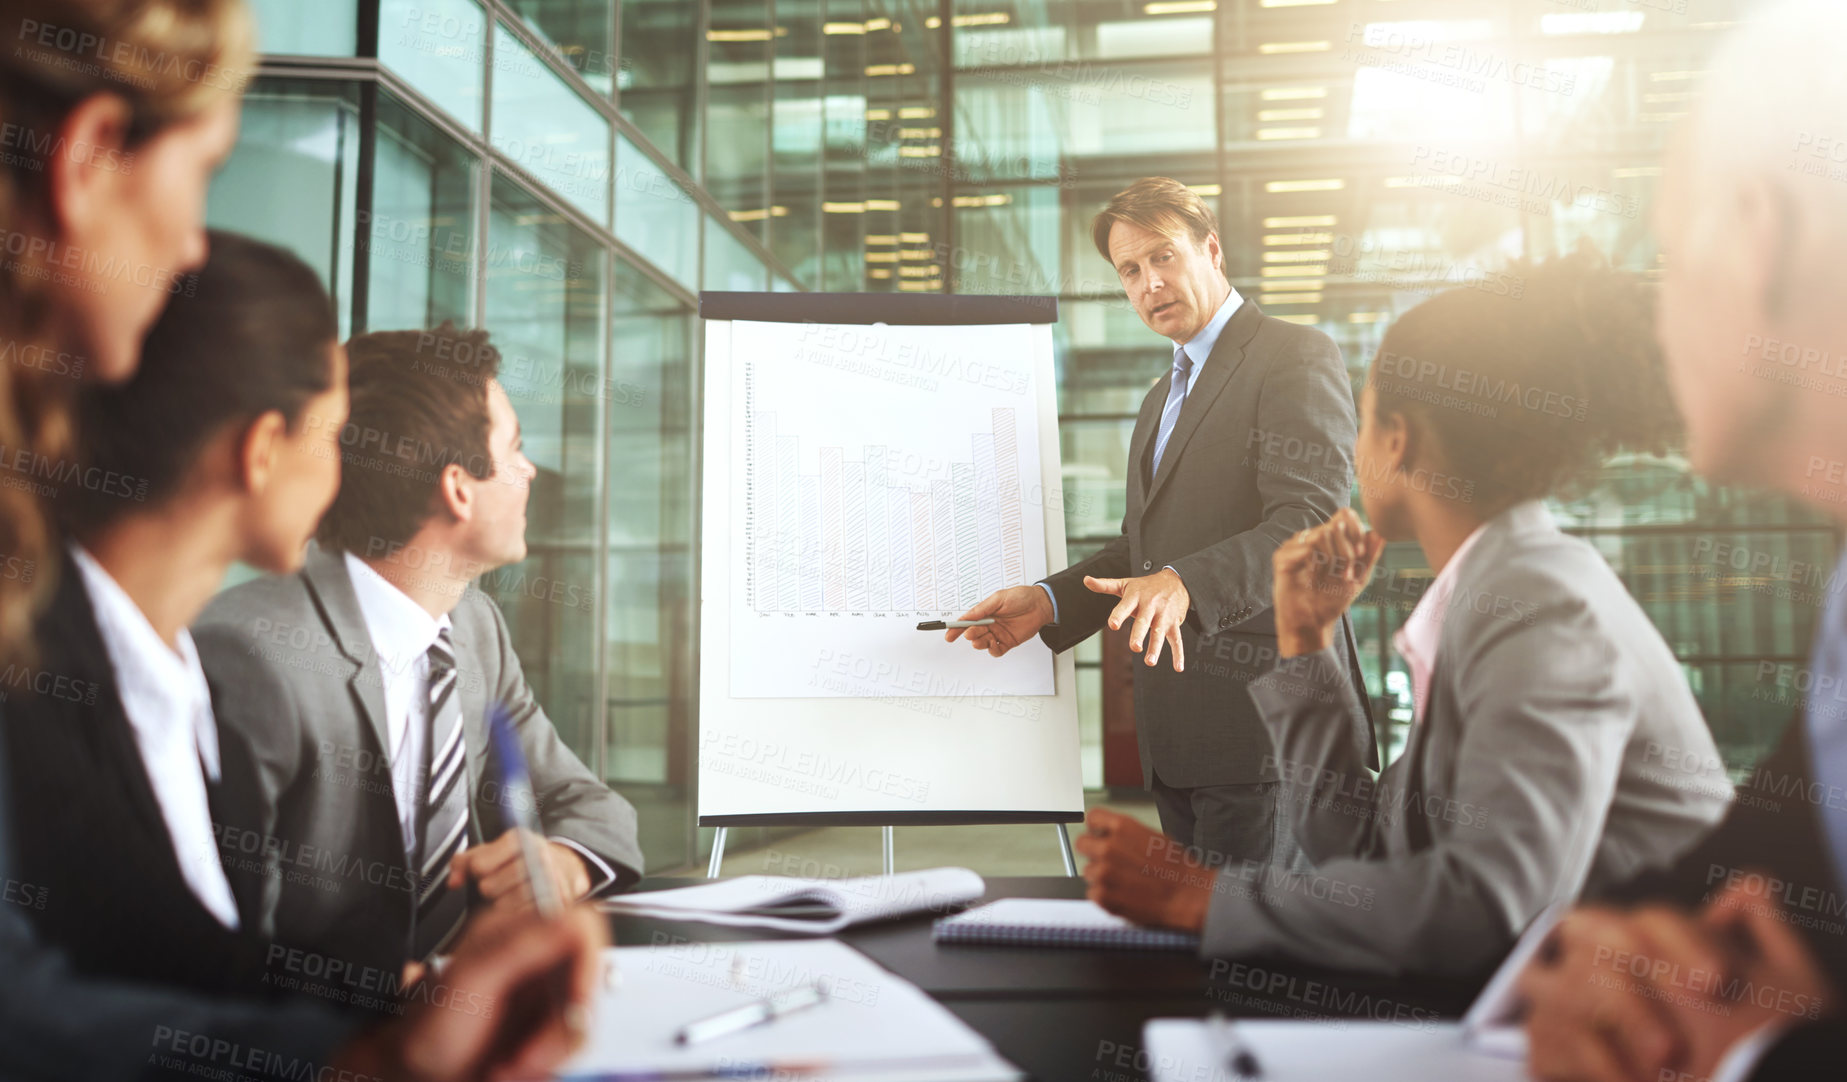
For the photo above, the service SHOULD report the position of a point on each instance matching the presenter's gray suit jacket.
(1263, 447)
(1560, 751)
(292, 668)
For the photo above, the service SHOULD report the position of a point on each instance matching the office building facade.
(572, 173)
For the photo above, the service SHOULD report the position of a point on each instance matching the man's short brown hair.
(419, 405)
(1160, 204)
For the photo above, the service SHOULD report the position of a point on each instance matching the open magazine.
(814, 906)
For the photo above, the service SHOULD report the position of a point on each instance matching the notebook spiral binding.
(965, 932)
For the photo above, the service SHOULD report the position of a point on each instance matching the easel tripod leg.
(718, 854)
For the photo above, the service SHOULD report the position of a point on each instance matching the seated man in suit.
(1733, 966)
(363, 682)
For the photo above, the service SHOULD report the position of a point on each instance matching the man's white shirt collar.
(401, 630)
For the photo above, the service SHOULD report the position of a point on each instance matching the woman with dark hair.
(124, 108)
(1555, 746)
(221, 449)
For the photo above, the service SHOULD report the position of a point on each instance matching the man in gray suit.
(1248, 440)
(363, 682)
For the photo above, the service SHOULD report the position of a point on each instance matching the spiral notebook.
(807, 906)
(1050, 922)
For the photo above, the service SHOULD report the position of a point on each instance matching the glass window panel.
(545, 308)
(1006, 45)
(1133, 109)
(548, 130)
(439, 47)
(1008, 128)
(328, 28)
(1566, 94)
(1404, 108)
(655, 78)
(1007, 241)
(847, 183)
(649, 615)
(729, 262)
(654, 215)
(1277, 106)
(1049, 37)
(577, 33)
(1104, 324)
(421, 235)
(1748, 706)
(1090, 725)
(1159, 35)
(1416, 239)
(796, 139)
(1094, 453)
(292, 178)
(737, 121)
(1606, 205)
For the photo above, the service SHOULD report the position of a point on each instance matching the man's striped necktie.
(442, 827)
(1176, 398)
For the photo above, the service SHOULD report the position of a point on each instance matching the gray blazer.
(1560, 750)
(293, 670)
(1263, 447)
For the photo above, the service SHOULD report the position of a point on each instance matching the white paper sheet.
(1183, 1050)
(874, 1025)
(881, 476)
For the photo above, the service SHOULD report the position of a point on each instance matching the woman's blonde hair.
(169, 60)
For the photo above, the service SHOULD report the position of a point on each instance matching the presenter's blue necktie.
(1176, 397)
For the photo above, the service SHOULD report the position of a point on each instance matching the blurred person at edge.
(92, 250)
(1732, 964)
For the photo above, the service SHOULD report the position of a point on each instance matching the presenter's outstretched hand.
(1142, 874)
(513, 1003)
(1318, 573)
(1158, 603)
(1018, 611)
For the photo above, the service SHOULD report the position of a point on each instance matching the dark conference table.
(1065, 1014)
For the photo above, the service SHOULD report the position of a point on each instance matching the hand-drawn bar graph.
(873, 531)
(877, 477)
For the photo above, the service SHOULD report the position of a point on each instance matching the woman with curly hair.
(1555, 746)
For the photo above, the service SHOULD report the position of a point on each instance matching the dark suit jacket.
(1262, 448)
(89, 832)
(56, 1024)
(1774, 830)
(293, 672)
